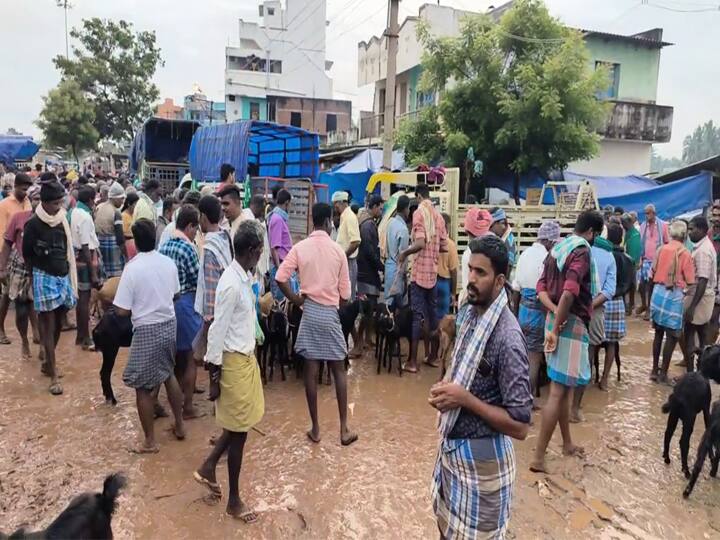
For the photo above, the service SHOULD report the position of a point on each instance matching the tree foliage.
(702, 144)
(661, 165)
(67, 118)
(519, 91)
(114, 67)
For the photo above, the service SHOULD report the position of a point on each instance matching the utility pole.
(391, 33)
(65, 5)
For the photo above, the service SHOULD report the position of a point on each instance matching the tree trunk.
(74, 151)
(516, 188)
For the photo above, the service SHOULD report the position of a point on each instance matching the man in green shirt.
(633, 247)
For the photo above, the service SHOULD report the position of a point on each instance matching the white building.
(280, 59)
(636, 121)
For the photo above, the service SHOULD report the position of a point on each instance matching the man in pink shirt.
(324, 283)
(653, 235)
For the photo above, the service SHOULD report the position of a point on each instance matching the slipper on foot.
(214, 487)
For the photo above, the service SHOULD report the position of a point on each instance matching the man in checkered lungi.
(48, 253)
(146, 291)
(566, 288)
(322, 267)
(484, 401)
(615, 309)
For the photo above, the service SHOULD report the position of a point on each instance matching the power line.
(715, 9)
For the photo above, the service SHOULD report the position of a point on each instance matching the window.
(254, 110)
(260, 10)
(271, 11)
(231, 97)
(423, 99)
(275, 66)
(330, 123)
(613, 79)
(271, 111)
(295, 119)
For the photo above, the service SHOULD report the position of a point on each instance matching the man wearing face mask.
(485, 401)
(566, 288)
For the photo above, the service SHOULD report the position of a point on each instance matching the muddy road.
(51, 448)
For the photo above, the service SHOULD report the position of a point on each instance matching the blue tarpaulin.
(260, 148)
(670, 200)
(614, 186)
(353, 175)
(162, 140)
(17, 148)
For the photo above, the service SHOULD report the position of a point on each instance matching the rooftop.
(649, 38)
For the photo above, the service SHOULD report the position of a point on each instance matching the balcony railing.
(645, 122)
(373, 126)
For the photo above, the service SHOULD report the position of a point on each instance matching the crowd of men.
(183, 277)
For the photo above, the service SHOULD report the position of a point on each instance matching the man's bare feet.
(178, 431)
(191, 414)
(159, 411)
(239, 510)
(409, 368)
(573, 450)
(603, 385)
(314, 435)
(144, 448)
(348, 437)
(4, 340)
(25, 351)
(538, 466)
(576, 417)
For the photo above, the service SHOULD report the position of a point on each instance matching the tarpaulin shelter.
(17, 148)
(670, 200)
(353, 175)
(161, 140)
(257, 148)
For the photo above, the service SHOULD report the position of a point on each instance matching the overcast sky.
(192, 36)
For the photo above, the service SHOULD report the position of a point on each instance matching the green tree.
(518, 90)
(660, 164)
(67, 117)
(702, 144)
(114, 66)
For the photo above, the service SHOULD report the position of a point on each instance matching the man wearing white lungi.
(484, 401)
(324, 282)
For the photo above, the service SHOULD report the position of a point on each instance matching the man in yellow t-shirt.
(348, 235)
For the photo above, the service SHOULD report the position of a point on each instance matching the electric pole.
(65, 5)
(391, 34)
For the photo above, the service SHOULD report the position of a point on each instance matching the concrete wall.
(616, 158)
(296, 37)
(639, 66)
(313, 112)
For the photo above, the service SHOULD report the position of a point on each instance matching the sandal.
(214, 487)
(56, 389)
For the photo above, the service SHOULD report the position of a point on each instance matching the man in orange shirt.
(16, 202)
(322, 268)
(672, 271)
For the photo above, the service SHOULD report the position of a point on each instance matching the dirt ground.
(51, 448)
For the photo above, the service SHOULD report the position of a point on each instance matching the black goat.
(109, 335)
(87, 516)
(277, 332)
(690, 396)
(709, 444)
(393, 327)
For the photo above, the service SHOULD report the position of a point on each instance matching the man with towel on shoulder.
(567, 286)
(48, 252)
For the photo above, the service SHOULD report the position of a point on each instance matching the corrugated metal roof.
(631, 38)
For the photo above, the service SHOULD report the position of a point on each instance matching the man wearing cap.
(369, 267)
(530, 311)
(477, 223)
(16, 202)
(348, 235)
(429, 239)
(109, 229)
(501, 228)
(48, 253)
